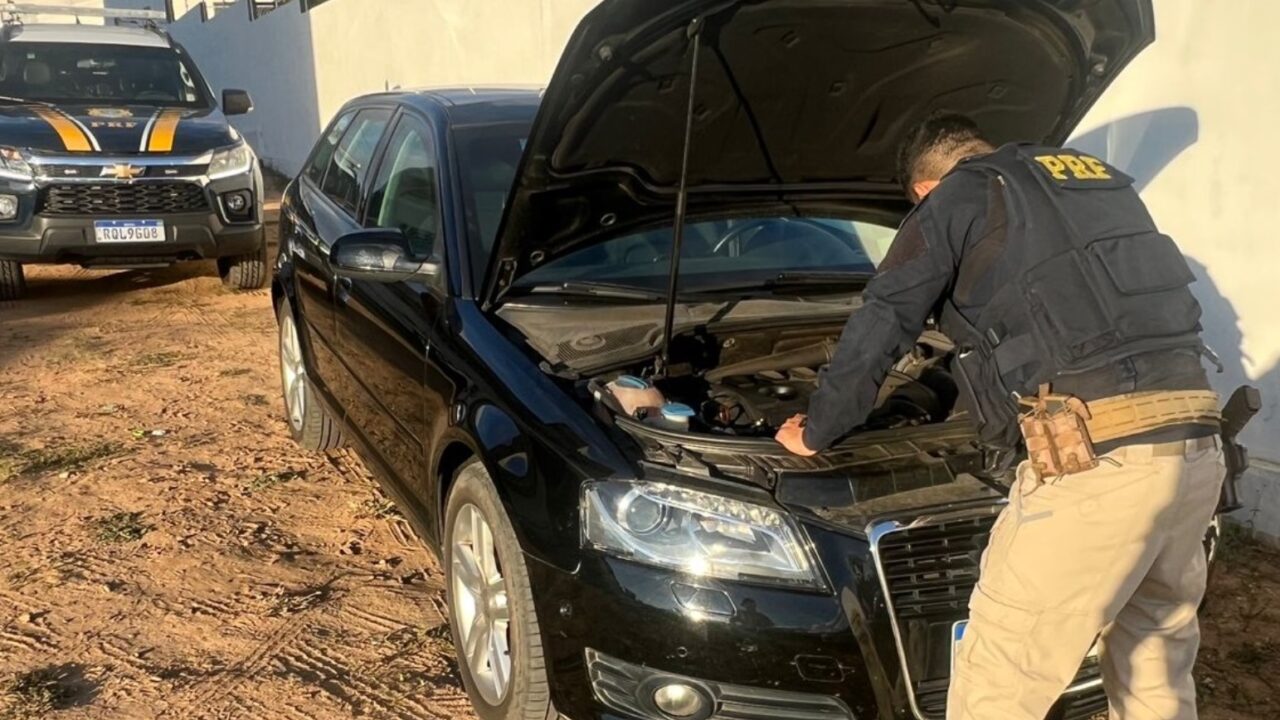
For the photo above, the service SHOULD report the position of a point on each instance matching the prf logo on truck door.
(1081, 167)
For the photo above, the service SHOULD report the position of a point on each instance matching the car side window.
(323, 152)
(405, 193)
(349, 167)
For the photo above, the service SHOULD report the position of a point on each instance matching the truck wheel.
(491, 611)
(245, 272)
(309, 423)
(13, 284)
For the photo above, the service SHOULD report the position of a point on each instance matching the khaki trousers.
(1116, 553)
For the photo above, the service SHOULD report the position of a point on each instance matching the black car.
(113, 153)
(476, 290)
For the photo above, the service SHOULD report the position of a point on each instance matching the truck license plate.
(128, 231)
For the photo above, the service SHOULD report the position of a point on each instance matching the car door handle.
(342, 290)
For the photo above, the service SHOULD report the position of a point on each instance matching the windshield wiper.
(799, 279)
(590, 289)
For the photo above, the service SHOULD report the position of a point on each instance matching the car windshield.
(91, 73)
(725, 253)
(716, 253)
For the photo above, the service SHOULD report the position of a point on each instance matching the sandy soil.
(169, 553)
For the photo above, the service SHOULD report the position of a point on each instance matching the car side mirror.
(236, 102)
(378, 255)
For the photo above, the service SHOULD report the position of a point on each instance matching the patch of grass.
(378, 507)
(156, 360)
(1238, 547)
(14, 462)
(34, 695)
(286, 603)
(122, 527)
(270, 480)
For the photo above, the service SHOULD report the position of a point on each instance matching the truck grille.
(930, 572)
(151, 198)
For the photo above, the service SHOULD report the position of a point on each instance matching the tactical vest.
(1091, 281)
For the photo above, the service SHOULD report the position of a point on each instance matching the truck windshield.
(95, 74)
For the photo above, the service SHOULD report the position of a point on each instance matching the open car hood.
(800, 105)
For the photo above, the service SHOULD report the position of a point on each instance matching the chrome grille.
(929, 572)
(150, 198)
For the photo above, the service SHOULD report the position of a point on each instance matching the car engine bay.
(754, 396)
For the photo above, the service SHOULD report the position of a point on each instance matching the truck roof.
(88, 34)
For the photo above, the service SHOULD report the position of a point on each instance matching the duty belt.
(1125, 415)
(1061, 430)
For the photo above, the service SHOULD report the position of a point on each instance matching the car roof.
(89, 34)
(468, 105)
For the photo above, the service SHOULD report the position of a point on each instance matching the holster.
(1057, 437)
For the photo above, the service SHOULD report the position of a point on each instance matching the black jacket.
(963, 257)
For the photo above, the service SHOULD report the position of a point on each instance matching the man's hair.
(934, 146)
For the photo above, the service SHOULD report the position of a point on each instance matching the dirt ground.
(168, 552)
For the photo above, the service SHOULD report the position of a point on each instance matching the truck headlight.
(13, 166)
(235, 160)
(696, 532)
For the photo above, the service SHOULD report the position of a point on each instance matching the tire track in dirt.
(201, 701)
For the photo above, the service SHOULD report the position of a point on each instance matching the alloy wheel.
(480, 605)
(293, 371)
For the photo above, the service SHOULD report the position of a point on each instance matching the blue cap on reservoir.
(631, 382)
(677, 412)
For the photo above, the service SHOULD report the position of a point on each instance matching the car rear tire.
(309, 423)
(491, 611)
(13, 283)
(245, 272)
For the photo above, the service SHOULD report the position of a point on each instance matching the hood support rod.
(682, 200)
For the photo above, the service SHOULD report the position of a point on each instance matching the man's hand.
(791, 436)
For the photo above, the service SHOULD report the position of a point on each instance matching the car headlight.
(695, 532)
(234, 160)
(13, 166)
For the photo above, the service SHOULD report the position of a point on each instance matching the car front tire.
(491, 612)
(309, 423)
(245, 272)
(13, 283)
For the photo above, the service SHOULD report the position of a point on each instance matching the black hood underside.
(800, 104)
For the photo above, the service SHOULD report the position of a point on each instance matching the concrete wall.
(301, 67)
(1193, 120)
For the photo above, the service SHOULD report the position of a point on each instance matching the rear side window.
(349, 165)
(323, 153)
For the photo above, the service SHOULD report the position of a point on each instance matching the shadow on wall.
(1143, 145)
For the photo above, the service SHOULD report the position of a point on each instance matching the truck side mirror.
(236, 102)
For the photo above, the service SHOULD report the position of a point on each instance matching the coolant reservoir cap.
(631, 382)
(677, 411)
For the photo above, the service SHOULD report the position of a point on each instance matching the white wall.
(301, 67)
(1193, 119)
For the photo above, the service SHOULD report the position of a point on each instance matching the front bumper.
(613, 629)
(35, 237)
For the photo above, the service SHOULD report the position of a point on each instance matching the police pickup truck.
(114, 153)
